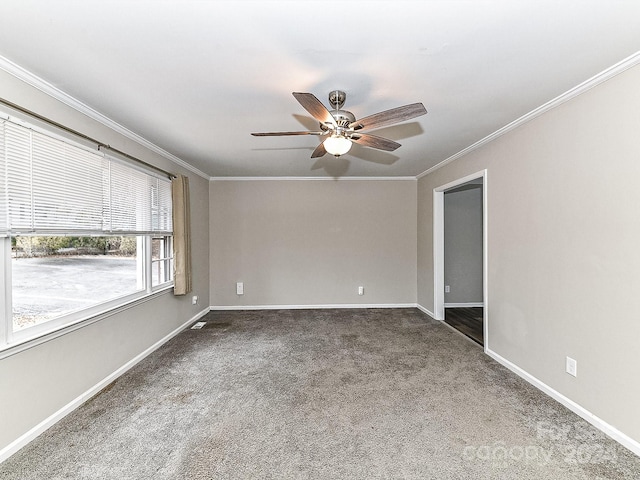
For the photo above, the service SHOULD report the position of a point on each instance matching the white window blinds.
(3, 183)
(48, 186)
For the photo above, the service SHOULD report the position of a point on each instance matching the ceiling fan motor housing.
(342, 117)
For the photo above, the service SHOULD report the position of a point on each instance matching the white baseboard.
(24, 439)
(464, 305)
(312, 307)
(597, 422)
(424, 310)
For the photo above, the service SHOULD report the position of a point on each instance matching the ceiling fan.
(341, 128)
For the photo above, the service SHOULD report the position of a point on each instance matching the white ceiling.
(196, 77)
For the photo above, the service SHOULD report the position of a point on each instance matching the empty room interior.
(468, 161)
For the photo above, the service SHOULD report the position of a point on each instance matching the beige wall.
(563, 246)
(310, 242)
(36, 383)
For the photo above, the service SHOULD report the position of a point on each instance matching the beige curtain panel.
(181, 235)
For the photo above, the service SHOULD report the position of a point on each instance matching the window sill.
(27, 343)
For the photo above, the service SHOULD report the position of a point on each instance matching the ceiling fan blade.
(388, 117)
(374, 141)
(319, 151)
(315, 107)
(277, 134)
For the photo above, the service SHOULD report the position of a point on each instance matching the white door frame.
(438, 246)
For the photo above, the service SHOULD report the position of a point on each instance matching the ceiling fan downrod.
(337, 99)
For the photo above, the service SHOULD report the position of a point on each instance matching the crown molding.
(45, 87)
(307, 179)
(585, 86)
(54, 92)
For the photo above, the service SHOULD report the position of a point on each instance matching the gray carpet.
(323, 394)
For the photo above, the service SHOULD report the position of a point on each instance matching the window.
(161, 260)
(57, 277)
(80, 233)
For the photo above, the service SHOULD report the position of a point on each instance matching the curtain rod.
(101, 145)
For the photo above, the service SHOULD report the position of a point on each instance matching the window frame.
(12, 341)
(10, 338)
(167, 259)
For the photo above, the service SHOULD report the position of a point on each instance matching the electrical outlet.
(194, 300)
(360, 290)
(239, 288)
(447, 289)
(572, 367)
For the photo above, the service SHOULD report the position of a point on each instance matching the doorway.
(460, 256)
(467, 320)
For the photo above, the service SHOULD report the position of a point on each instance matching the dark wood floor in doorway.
(467, 321)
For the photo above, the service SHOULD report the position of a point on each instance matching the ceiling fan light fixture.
(337, 145)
